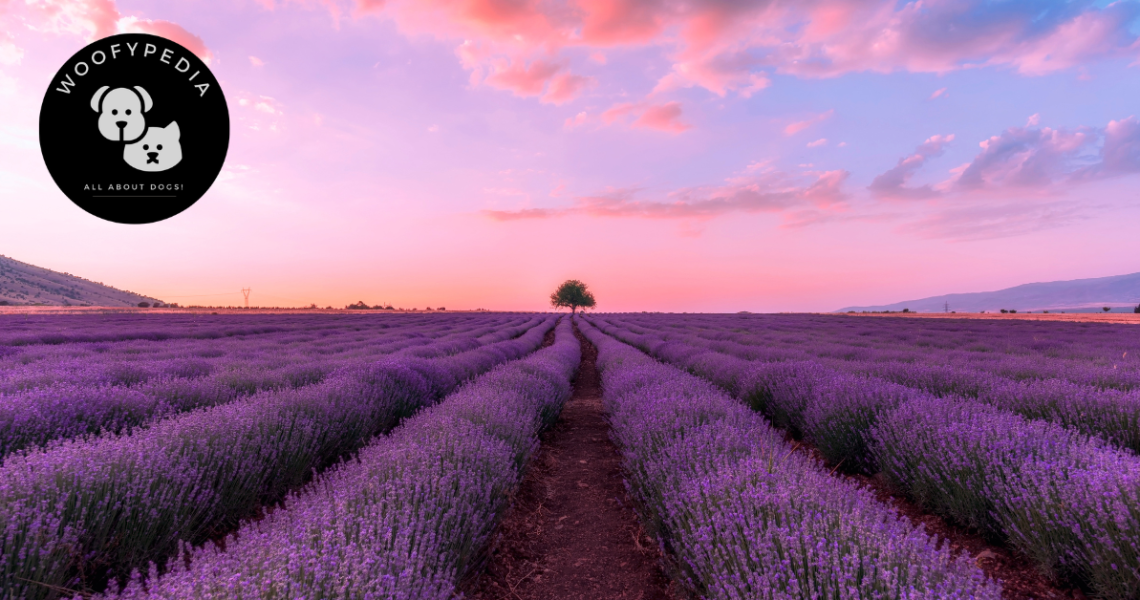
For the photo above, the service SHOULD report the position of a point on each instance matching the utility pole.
(245, 292)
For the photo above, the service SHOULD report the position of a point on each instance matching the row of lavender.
(1069, 501)
(742, 515)
(1112, 414)
(1095, 354)
(138, 361)
(408, 517)
(70, 408)
(29, 329)
(80, 511)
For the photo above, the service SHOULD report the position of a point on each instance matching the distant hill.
(1080, 295)
(22, 284)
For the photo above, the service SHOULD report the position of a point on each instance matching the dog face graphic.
(158, 150)
(121, 112)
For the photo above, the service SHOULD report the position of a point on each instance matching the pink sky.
(682, 155)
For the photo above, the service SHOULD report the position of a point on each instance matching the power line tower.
(947, 307)
(245, 292)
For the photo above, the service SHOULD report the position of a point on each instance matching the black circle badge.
(134, 128)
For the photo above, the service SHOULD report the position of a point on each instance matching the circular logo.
(134, 128)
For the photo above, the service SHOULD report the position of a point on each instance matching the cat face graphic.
(158, 150)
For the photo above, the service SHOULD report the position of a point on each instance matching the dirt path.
(572, 533)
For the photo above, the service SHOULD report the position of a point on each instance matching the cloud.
(662, 117)
(539, 77)
(10, 53)
(257, 62)
(984, 222)
(576, 121)
(817, 143)
(1028, 159)
(90, 19)
(565, 87)
(798, 126)
(939, 93)
(735, 46)
(893, 183)
(768, 192)
(523, 80)
(620, 110)
(168, 30)
(1120, 153)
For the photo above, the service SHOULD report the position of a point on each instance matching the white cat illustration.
(158, 150)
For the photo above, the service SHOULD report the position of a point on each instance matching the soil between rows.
(572, 532)
(1020, 579)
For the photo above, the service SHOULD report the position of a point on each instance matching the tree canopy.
(572, 294)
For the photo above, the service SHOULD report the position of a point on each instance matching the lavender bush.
(81, 509)
(1068, 501)
(117, 394)
(406, 518)
(744, 515)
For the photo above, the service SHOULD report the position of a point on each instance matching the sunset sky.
(677, 155)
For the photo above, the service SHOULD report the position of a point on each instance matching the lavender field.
(127, 439)
(1024, 431)
(375, 456)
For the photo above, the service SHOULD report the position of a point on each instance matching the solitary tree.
(572, 294)
(1106, 309)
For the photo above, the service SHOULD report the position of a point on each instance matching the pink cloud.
(817, 143)
(798, 126)
(93, 19)
(769, 192)
(893, 183)
(1035, 158)
(718, 74)
(940, 93)
(620, 110)
(611, 22)
(257, 62)
(993, 221)
(10, 53)
(168, 30)
(565, 87)
(523, 80)
(663, 117)
(1025, 158)
(734, 46)
(576, 121)
(1120, 154)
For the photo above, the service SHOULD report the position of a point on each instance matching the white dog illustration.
(121, 112)
(158, 150)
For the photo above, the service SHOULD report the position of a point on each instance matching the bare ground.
(1020, 579)
(572, 532)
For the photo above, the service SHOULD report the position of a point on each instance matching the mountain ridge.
(1116, 291)
(24, 284)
